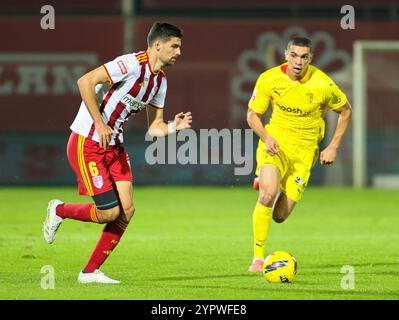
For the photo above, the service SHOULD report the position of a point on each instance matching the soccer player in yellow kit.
(288, 146)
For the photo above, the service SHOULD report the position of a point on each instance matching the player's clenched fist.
(328, 155)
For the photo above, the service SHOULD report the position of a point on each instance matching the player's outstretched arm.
(157, 127)
(255, 123)
(87, 84)
(328, 155)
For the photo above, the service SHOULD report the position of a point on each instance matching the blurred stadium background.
(227, 44)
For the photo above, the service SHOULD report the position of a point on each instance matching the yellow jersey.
(298, 106)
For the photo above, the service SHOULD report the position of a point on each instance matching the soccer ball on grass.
(279, 266)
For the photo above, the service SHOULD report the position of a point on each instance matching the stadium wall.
(214, 79)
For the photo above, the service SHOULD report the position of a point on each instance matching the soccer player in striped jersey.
(288, 146)
(112, 93)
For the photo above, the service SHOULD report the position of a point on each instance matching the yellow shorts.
(294, 168)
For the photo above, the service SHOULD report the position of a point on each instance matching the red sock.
(109, 239)
(82, 212)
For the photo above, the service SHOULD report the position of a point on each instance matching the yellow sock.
(261, 222)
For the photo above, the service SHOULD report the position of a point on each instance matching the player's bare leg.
(108, 215)
(282, 208)
(269, 180)
(110, 237)
(125, 191)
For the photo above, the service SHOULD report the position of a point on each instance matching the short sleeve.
(335, 98)
(260, 98)
(121, 68)
(159, 99)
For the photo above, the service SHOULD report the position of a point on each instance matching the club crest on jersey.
(132, 103)
(309, 97)
(98, 182)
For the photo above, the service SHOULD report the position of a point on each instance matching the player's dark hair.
(163, 31)
(301, 42)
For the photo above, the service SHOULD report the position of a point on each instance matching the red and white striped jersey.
(132, 85)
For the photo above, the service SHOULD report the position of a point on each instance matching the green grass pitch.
(196, 243)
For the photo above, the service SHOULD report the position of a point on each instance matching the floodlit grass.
(196, 243)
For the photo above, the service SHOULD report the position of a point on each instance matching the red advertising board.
(213, 78)
(39, 68)
(222, 59)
